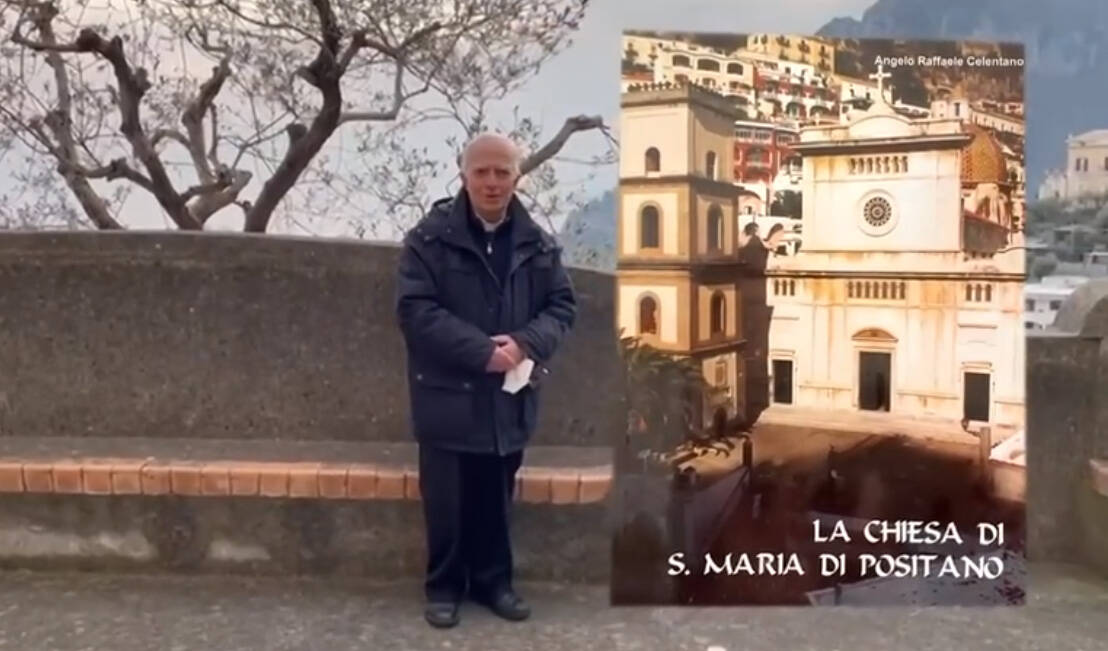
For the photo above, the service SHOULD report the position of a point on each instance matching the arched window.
(737, 69)
(648, 316)
(707, 64)
(710, 164)
(681, 60)
(653, 160)
(715, 228)
(718, 318)
(649, 228)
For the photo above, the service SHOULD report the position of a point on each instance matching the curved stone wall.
(241, 336)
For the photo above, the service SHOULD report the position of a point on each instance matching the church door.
(783, 381)
(975, 397)
(874, 374)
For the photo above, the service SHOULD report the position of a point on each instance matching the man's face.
(490, 178)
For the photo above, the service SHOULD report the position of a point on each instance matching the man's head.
(490, 170)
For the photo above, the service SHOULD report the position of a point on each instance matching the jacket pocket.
(463, 289)
(443, 408)
(529, 409)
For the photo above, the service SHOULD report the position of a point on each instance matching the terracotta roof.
(983, 159)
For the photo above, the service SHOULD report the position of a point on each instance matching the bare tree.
(110, 95)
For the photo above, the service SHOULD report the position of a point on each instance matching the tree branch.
(169, 134)
(133, 84)
(233, 182)
(400, 54)
(265, 25)
(398, 100)
(198, 190)
(356, 44)
(193, 118)
(547, 151)
(213, 150)
(60, 121)
(117, 169)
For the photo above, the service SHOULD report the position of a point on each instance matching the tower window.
(653, 160)
(715, 228)
(718, 314)
(649, 228)
(648, 316)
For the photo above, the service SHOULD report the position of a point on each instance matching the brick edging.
(1099, 470)
(111, 476)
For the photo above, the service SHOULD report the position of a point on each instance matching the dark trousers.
(467, 501)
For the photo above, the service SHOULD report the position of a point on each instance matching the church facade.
(678, 267)
(907, 295)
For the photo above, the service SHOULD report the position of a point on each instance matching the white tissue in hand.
(518, 377)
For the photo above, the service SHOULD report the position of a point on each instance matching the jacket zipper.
(503, 290)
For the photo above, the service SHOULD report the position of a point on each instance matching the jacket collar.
(524, 228)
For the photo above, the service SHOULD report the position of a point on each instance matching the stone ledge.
(1099, 470)
(99, 466)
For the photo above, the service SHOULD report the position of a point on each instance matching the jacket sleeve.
(430, 327)
(541, 337)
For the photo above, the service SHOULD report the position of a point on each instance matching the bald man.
(481, 289)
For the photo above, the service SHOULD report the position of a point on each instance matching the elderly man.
(481, 290)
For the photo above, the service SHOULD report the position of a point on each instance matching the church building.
(679, 270)
(907, 294)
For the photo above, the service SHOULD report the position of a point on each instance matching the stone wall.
(1067, 425)
(241, 336)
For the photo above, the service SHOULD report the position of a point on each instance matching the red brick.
(361, 482)
(245, 480)
(155, 479)
(185, 478)
(96, 476)
(38, 477)
(390, 483)
(67, 477)
(564, 486)
(411, 484)
(595, 484)
(215, 479)
(127, 477)
(536, 486)
(11, 476)
(304, 480)
(273, 480)
(332, 481)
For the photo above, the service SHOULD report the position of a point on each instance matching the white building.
(1086, 171)
(951, 107)
(906, 297)
(1042, 300)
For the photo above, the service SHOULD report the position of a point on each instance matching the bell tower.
(678, 259)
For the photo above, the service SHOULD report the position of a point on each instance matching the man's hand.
(509, 345)
(500, 361)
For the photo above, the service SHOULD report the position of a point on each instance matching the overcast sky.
(585, 79)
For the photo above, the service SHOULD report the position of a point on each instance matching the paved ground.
(70, 612)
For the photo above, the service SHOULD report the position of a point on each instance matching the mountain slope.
(589, 234)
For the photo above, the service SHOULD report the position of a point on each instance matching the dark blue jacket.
(449, 304)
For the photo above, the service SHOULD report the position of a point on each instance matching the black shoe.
(441, 614)
(509, 605)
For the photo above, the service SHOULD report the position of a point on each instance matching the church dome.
(983, 159)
